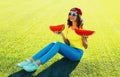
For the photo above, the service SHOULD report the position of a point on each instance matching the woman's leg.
(42, 52)
(71, 53)
(36, 56)
(67, 51)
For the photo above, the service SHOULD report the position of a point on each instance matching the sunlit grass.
(24, 30)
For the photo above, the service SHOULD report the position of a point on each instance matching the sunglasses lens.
(72, 14)
(69, 14)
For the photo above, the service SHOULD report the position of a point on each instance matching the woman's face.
(72, 16)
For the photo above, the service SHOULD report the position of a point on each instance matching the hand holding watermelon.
(84, 32)
(57, 28)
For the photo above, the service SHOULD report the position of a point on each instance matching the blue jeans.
(52, 49)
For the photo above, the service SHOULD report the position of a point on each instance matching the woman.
(72, 49)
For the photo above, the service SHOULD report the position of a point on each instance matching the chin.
(72, 20)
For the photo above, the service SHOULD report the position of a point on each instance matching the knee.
(58, 43)
(52, 43)
(55, 43)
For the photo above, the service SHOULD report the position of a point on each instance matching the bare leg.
(38, 62)
(32, 60)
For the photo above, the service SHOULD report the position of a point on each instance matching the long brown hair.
(79, 22)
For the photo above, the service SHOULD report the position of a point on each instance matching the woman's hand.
(67, 41)
(84, 41)
(57, 32)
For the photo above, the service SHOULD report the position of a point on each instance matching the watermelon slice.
(84, 32)
(57, 28)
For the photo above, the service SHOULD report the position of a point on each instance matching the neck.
(74, 25)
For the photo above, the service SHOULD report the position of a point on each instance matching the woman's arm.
(65, 39)
(85, 42)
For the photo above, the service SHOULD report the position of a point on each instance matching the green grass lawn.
(24, 30)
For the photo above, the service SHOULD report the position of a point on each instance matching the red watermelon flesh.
(57, 28)
(84, 32)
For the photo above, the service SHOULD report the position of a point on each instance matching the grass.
(24, 30)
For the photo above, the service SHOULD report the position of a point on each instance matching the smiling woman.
(24, 26)
(72, 49)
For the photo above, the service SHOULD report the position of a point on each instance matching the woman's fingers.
(84, 36)
(57, 32)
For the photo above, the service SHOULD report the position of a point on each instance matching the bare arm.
(65, 39)
(85, 42)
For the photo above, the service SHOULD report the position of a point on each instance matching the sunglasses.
(72, 14)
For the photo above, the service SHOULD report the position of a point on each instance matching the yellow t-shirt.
(75, 39)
